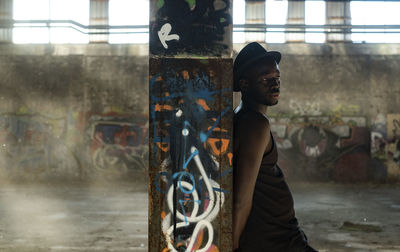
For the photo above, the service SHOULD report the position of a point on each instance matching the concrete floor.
(110, 217)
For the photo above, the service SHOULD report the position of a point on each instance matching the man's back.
(271, 223)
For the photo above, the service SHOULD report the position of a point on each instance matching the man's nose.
(276, 83)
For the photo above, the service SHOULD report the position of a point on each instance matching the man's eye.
(269, 79)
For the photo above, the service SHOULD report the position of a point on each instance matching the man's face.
(264, 84)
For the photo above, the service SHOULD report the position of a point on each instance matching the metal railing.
(258, 28)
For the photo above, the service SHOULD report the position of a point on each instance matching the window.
(31, 10)
(374, 13)
(77, 10)
(129, 12)
(239, 8)
(275, 13)
(315, 15)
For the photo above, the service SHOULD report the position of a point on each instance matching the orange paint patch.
(185, 74)
(214, 119)
(199, 241)
(230, 156)
(203, 104)
(213, 248)
(159, 107)
(180, 101)
(180, 244)
(166, 94)
(217, 129)
(163, 146)
(163, 214)
(213, 144)
(159, 78)
(165, 250)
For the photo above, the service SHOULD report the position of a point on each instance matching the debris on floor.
(351, 226)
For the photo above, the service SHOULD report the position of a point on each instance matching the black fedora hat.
(249, 55)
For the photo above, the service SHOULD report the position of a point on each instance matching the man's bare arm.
(254, 138)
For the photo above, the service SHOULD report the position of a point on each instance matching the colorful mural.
(190, 143)
(37, 146)
(118, 142)
(385, 145)
(331, 146)
(33, 147)
(322, 147)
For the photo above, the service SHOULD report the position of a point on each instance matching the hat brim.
(270, 54)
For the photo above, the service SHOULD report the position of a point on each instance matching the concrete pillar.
(6, 16)
(296, 15)
(338, 13)
(98, 16)
(255, 14)
(190, 127)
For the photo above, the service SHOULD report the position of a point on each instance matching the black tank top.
(271, 225)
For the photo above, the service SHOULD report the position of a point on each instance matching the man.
(263, 218)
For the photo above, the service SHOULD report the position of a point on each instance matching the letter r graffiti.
(164, 35)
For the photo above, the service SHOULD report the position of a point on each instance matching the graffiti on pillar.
(190, 149)
(191, 27)
(164, 35)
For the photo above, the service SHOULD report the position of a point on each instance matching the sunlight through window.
(136, 12)
(315, 15)
(275, 13)
(76, 10)
(374, 13)
(31, 10)
(239, 8)
(129, 12)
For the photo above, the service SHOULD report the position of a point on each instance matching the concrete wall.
(73, 114)
(81, 111)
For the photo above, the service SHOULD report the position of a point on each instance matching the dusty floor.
(109, 217)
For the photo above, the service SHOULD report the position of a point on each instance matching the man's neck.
(254, 106)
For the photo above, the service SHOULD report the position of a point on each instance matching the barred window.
(129, 12)
(37, 31)
(375, 13)
(315, 15)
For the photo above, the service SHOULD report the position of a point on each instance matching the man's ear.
(243, 84)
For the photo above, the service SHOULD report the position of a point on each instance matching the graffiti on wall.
(117, 142)
(333, 146)
(307, 108)
(33, 146)
(190, 26)
(190, 149)
(37, 146)
(323, 147)
(385, 144)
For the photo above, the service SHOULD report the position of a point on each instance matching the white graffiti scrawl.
(203, 218)
(164, 35)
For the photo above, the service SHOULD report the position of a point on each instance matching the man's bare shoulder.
(252, 122)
